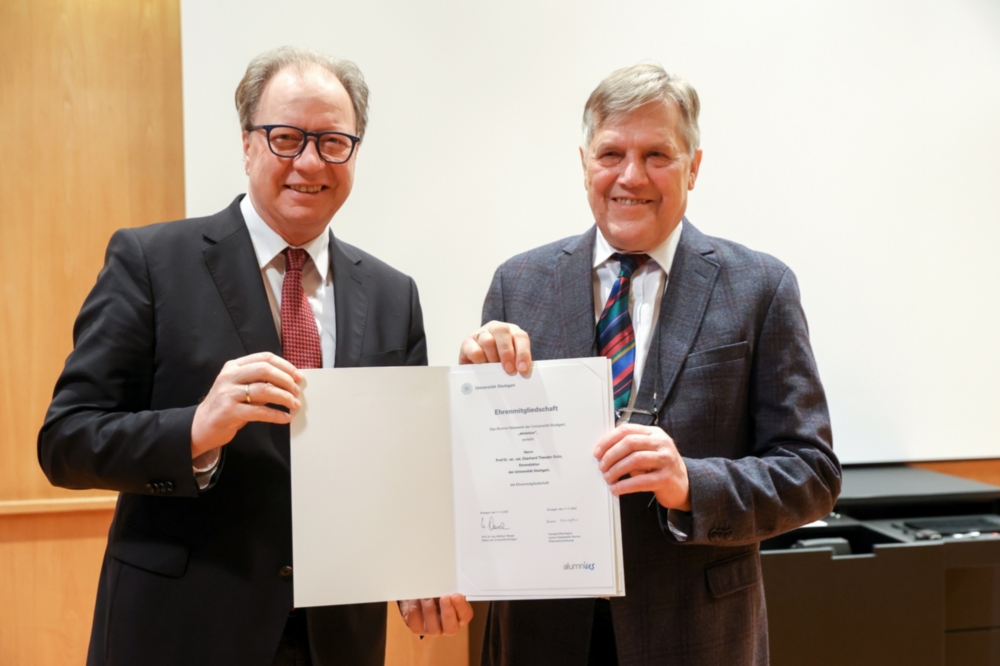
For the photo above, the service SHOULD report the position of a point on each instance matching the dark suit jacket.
(195, 577)
(746, 409)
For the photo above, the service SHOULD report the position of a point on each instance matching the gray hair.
(629, 88)
(267, 64)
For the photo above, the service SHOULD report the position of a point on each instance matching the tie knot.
(630, 263)
(295, 258)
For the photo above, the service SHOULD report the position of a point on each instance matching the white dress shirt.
(317, 278)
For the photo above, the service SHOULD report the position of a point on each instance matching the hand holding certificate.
(420, 482)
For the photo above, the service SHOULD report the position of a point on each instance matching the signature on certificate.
(492, 525)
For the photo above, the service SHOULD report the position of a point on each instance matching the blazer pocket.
(732, 575)
(391, 357)
(723, 354)
(150, 552)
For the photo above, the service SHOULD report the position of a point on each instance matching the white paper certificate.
(533, 514)
(417, 482)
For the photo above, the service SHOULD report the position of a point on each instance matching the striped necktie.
(615, 336)
(299, 334)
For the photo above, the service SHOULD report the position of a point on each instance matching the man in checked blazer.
(177, 394)
(725, 440)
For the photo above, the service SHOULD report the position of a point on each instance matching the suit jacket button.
(149, 487)
(169, 486)
(720, 534)
(285, 572)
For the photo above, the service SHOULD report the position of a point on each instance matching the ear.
(583, 163)
(246, 151)
(695, 165)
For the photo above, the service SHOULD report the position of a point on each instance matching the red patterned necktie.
(299, 336)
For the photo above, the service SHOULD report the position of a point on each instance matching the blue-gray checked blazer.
(746, 409)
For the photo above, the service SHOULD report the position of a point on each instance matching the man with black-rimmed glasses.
(184, 376)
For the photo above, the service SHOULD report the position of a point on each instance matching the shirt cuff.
(204, 467)
(678, 522)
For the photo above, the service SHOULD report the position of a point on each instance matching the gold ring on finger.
(246, 390)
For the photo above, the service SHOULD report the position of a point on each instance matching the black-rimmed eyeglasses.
(289, 141)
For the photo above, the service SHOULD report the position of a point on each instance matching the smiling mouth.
(307, 189)
(631, 202)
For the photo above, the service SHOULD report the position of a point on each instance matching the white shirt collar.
(268, 244)
(662, 254)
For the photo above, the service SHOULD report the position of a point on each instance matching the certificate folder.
(414, 482)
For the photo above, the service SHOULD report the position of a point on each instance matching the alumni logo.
(582, 565)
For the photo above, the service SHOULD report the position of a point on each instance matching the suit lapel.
(351, 302)
(692, 279)
(574, 294)
(232, 262)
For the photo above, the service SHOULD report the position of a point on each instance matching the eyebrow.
(659, 146)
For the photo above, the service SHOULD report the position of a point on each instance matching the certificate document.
(418, 482)
(533, 514)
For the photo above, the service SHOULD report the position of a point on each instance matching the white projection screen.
(857, 141)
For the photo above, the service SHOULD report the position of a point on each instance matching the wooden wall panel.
(90, 106)
(984, 471)
(48, 582)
